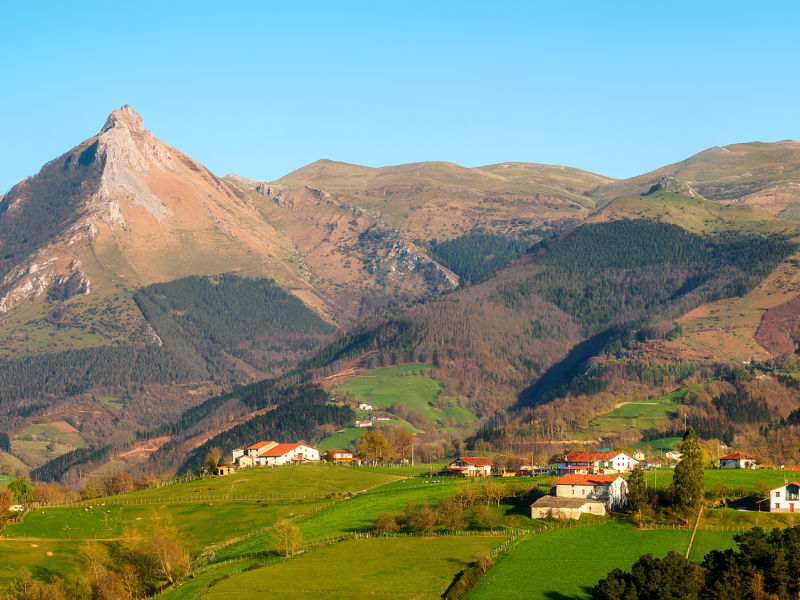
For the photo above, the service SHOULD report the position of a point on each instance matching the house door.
(791, 506)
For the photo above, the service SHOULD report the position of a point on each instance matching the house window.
(777, 494)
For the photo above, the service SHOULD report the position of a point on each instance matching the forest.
(475, 256)
(251, 319)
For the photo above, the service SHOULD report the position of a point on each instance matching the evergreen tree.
(637, 493)
(687, 483)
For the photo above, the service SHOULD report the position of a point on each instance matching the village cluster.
(590, 482)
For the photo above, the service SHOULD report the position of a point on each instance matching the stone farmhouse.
(576, 494)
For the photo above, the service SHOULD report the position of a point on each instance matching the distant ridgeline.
(206, 325)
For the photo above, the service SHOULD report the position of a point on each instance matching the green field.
(353, 515)
(203, 518)
(405, 567)
(407, 385)
(637, 416)
(340, 440)
(566, 563)
(722, 481)
(43, 557)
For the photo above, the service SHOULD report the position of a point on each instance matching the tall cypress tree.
(687, 483)
(637, 493)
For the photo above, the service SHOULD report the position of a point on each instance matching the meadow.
(722, 482)
(404, 567)
(636, 416)
(408, 385)
(566, 563)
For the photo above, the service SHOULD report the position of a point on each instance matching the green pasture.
(637, 416)
(340, 440)
(406, 384)
(115, 404)
(726, 481)
(44, 558)
(404, 567)
(48, 433)
(287, 481)
(566, 563)
(657, 447)
(707, 540)
(737, 521)
(200, 524)
(188, 589)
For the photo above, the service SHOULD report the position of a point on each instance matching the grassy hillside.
(755, 174)
(567, 563)
(408, 385)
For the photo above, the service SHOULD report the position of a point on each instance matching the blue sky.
(263, 88)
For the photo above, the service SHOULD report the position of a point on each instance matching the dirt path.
(618, 404)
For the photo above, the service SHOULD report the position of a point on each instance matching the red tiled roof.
(784, 485)
(587, 480)
(475, 462)
(592, 456)
(737, 456)
(791, 468)
(259, 445)
(282, 449)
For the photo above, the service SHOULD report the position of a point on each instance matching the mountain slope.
(753, 174)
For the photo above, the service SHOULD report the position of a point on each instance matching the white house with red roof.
(586, 463)
(611, 489)
(737, 460)
(282, 454)
(785, 498)
(259, 449)
(470, 466)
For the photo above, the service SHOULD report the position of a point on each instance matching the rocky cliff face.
(125, 207)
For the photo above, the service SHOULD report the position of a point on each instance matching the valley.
(157, 316)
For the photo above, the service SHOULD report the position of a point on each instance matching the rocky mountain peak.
(126, 118)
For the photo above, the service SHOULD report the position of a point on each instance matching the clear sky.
(262, 88)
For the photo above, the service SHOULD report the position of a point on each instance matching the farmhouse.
(785, 498)
(553, 507)
(673, 455)
(286, 453)
(585, 463)
(737, 461)
(611, 490)
(364, 406)
(470, 467)
(363, 423)
(339, 456)
(792, 467)
(257, 450)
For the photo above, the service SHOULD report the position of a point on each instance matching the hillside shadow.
(553, 595)
(564, 371)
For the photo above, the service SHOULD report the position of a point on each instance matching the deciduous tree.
(286, 537)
